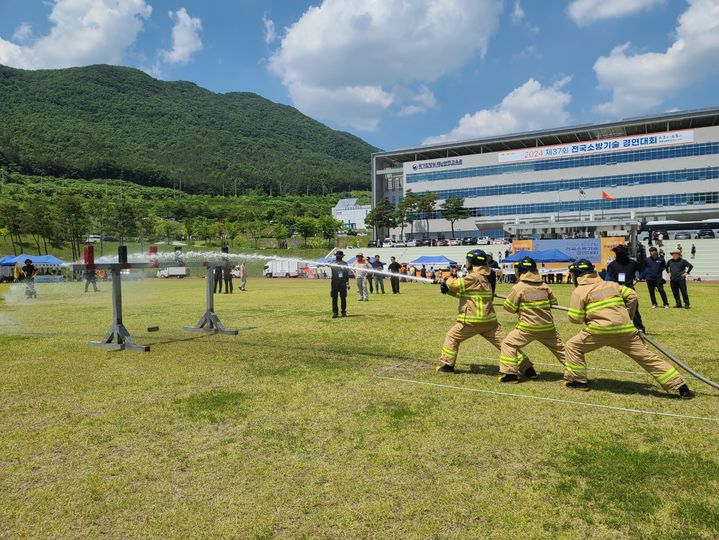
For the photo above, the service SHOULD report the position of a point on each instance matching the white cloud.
(368, 55)
(423, 100)
(640, 82)
(529, 107)
(23, 32)
(185, 37)
(517, 13)
(270, 33)
(83, 32)
(584, 12)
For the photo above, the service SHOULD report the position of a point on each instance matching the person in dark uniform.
(218, 279)
(340, 284)
(494, 268)
(624, 270)
(227, 275)
(394, 267)
(678, 270)
(653, 274)
(91, 278)
(29, 271)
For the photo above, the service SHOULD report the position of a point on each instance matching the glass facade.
(680, 175)
(679, 199)
(610, 158)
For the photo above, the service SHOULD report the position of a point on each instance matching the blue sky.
(398, 72)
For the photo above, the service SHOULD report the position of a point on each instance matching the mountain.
(116, 122)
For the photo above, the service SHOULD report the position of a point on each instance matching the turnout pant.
(510, 355)
(460, 332)
(679, 285)
(341, 292)
(394, 281)
(630, 344)
(378, 283)
(656, 284)
(362, 288)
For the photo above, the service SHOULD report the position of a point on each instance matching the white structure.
(554, 181)
(350, 213)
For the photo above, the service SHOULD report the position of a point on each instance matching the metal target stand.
(210, 323)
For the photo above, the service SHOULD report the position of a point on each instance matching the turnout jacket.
(533, 301)
(475, 296)
(605, 307)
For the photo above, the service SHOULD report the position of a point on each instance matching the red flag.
(606, 196)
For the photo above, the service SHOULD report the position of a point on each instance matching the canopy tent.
(546, 256)
(37, 260)
(434, 260)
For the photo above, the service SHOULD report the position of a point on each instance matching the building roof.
(586, 132)
(345, 203)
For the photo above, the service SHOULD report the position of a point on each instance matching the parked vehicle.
(372, 243)
(682, 236)
(500, 242)
(282, 269)
(469, 241)
(455, 242)
(411, 243)
(484, 241)
(179, 272)
(706, 233)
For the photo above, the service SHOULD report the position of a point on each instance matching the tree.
(453, 210)
(280, 233)
(74, 221)
(125, 218)
(328, 227)
(306, 227)
(11, 218)
(405, 211)
(255, 230)
(169, 230)
(425, 205)
(382, 216)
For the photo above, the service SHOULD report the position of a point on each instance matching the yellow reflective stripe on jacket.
(625, 291)
(541, 304)
(618, 329)
(448, 352)
(535, 327)
(668, 375)
(478, 294)
(553, 301)
(509, 305)
(577, 313)
(463, 318)
(595, 306)
(461, 285)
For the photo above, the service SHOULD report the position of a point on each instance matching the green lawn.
(300, 427)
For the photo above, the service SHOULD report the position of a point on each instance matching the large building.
(590, 179)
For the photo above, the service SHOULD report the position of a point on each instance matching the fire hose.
(658, 347)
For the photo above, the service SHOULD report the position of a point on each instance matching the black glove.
(443, 287)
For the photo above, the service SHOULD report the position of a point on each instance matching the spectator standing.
(678, 270)
(227, 275)
(378, 278)
(91, 277)
(680, 249)
(694, 251)
(394, 267)
(624, 270)
(243, 276)
(423, 272)
(361, 266)
(493, 270)
(654, 275)
(218, 279)
(339, 285)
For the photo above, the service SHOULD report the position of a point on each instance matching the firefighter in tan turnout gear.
(476, 313)
(606, 309)
(532, 300)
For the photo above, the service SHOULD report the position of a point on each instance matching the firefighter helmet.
(476, 257)
(581, 267)
(525, 264)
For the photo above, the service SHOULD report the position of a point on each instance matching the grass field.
(304, 426)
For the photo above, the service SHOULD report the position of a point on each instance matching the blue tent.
(549, 255)
(434, 260)
(37, 260)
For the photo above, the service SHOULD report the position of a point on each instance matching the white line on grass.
(553, 400)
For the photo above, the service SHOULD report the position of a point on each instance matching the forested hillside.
(117, 122)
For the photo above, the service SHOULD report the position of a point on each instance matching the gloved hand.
(348, 286)
(443, 287)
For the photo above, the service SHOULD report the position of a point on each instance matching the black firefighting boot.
(685, 393)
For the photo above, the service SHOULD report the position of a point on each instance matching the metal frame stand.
(210, 323)
(117, 337)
